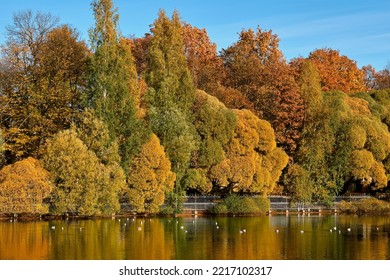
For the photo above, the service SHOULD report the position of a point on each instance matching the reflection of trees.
(86, 240)
(148, 239)
(24, 241)
(199, 238)
(205, 241)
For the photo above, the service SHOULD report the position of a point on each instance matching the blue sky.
(359, 29)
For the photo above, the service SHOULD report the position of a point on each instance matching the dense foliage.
(146, 120)
(24, 187)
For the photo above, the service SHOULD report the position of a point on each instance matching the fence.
(203, 203)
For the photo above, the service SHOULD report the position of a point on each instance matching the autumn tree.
(95, 135)
(1, 149)
(369, 77)
(140, 48)
(382, 78)
(337, 72)
(345, 149)
(24, 187)
(309, 169)
(42, 76)
(83, 185)
(256, 67)
(252, 163)
(205, 66)
(215, 126)
(171, 93)
(113, 82)
(150, 177)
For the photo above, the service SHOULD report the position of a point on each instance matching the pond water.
(333, 237)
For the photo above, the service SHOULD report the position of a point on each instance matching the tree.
(382, 78)
(201, 54)
(113, 84)
(1, 149)
(253, 163)
(95, 135)
(256, 67)
(215, 126)
(369, 77)
(24, 187)
(41, 80)
(171, 93)
(337, 72)
(83, 185)
(168, 73)
(150, 177)
(309, 169)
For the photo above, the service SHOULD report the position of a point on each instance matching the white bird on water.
(349, 229)
(277, 231)
(139, 228)
(302, 231)
(53, 227)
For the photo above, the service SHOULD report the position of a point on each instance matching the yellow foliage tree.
(84, 185)
(367, 170)
(150, 177)
(253, 163)
(23, 187)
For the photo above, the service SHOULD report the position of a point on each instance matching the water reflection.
(275, 237)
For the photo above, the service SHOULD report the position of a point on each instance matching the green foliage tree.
(95, 135)
(215, 126)
(167, 72)
(24, 186)
(171, 94)
(310, 170)
(83, 185)
(113, 82)
(150, 177)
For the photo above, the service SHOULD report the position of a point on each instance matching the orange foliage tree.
(204, 64)
(337, 72)
(256, 67)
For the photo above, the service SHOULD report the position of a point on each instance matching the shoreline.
(185, 214)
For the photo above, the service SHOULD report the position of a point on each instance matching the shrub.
(237, 205)
(365, 206)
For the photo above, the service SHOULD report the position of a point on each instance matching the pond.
(328, 237)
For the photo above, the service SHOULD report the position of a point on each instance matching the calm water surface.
(274, 237)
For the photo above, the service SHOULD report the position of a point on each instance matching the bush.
(262, 203)
(220, 208)
(237, 205)
(365, 206)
